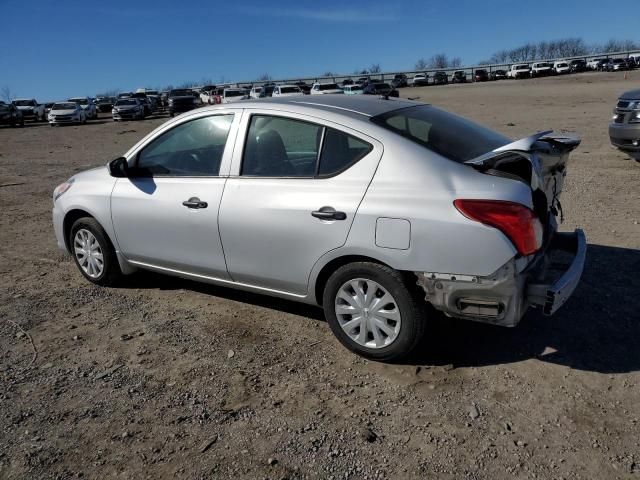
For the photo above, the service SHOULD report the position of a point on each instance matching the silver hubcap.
(367, 313)
(88, 253)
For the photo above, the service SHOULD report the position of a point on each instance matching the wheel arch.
(331, 266)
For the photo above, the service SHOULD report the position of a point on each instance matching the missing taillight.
(519, 223)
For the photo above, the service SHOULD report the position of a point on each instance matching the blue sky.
(53, 49)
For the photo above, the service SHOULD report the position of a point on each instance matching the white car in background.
(232, 95)
(353, 89)
(560, 67)
(30, 109)
(594, 63)
(521, 70)
(287, 91)
(87, 105)
(66, 112)
(325, 88)
(255, 92)
(541, 69)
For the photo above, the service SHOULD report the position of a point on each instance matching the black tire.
(111, 272)
(407, 298)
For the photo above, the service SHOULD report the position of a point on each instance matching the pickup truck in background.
(519, 71)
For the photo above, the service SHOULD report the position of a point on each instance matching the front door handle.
(328, 213)
(194, 202)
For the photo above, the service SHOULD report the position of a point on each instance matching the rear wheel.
(374, 311)
(93, 252)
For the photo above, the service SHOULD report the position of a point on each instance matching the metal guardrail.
(469, 70)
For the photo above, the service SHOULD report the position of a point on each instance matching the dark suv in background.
(10, 115)
(400, 80)
(181, 100)
(440, 78)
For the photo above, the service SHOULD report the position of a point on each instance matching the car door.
(165, 214)
(294, 191)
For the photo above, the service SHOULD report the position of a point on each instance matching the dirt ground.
(165, 378)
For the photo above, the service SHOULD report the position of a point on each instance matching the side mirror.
(119, 168)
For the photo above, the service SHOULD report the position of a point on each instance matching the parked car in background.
(624, 129)
(371, 223)
(480, 75)
(353, 89)
(440, 78)
(232, 95)
(602, 64)
(287, 91)
(10, 115)
(67, 112)
(306, 88)
(459, 76)
(47, 108)
(541, 69)
(362, 80)
(420, 80)
(105, 104)
(131, 108)
(578, 65)
(180, 100)
(347, 81)
(30, 108)
(561, 67)
(267, 91)
(255, 91)
(380, 88)
(324, 88)
(521, 70)
(147, 103)
(594, 63)
(616, 64)
(498, 74)
(400, 80)
(87, 105)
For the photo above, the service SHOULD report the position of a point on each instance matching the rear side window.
(340, 151)
(449, 135)
(285, 147)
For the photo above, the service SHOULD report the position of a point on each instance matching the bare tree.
(6, 94)
(329, 73)
(188, 84)
(456, 62)
(440, 60)
(265, 77)
(421, 64)
(375, 68)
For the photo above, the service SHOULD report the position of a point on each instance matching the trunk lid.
(538, 160)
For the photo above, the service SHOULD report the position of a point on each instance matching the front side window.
(191, 149)
(285, 147)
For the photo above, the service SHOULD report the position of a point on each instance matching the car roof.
(355, 106)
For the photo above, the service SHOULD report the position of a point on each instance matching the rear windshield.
(449, 135)
(329, 86)
(234, 93)
(522, 67)
(126, 101)
(24, 103)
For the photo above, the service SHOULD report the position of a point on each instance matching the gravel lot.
(165, 378)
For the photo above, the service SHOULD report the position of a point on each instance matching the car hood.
(63, 112)
(630, 95)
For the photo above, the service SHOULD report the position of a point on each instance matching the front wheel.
(374, 311)
(93, 252)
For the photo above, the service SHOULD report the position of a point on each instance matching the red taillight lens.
(516, 221)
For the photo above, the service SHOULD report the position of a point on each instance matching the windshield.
(329, 86)
(24, 103)
(234, 93)
(449, 135)
(562, 65)
(257, 89)
(522, 67)
(382, 86)
(64, 106)
(151, 92)
(355, 88)
(126, 101)
(180, 93)
(290, 90)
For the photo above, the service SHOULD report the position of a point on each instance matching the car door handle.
(194, 202)
(328, 213)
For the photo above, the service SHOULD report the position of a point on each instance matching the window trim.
(136, 158)
(317, 175)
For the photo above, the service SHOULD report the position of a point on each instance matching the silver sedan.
(369, 207)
